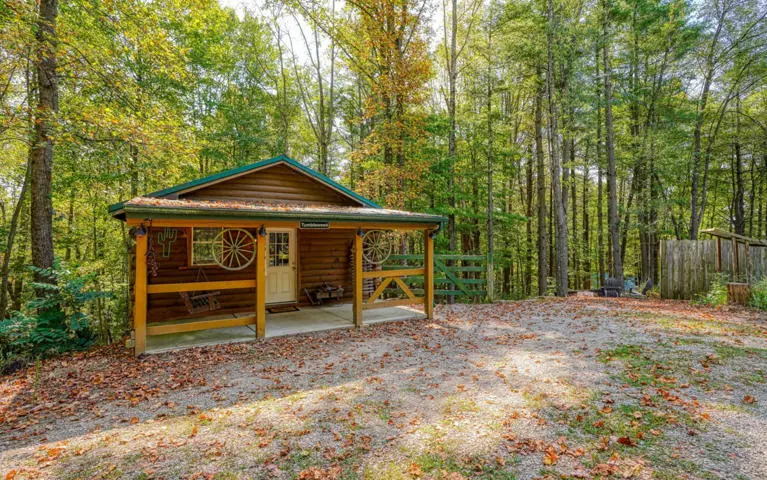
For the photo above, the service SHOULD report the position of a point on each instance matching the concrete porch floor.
(307, 319)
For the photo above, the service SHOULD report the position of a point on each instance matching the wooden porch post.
(357, 304)
(261, 283)
(428, 274)
(139, 296)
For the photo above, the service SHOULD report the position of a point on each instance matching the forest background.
(563, 138)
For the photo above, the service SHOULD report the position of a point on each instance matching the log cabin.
(218, 251)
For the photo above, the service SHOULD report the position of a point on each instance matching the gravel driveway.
(576, 388)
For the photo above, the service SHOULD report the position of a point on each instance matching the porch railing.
(393, 276)
(197, 324)
(197, 286)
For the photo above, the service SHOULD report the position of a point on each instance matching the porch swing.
(201, 302)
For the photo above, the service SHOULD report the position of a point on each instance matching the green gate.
(454, 275)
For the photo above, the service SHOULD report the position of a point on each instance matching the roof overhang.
(715, 232)
(352, 216)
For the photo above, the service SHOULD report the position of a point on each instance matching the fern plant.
(55, 322)
(717, 293)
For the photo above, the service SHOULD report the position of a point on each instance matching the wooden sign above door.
(315, 225)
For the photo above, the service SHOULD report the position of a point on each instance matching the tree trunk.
(600, 172)
(556, 164)
(528, 280)
(543, 237)
(612, 191)
(4, 286)
(331, 112)
(585, 250)
(600, 227)
(490, 206)
(41, 156)
(452, 76)
(574, 216)
(283, 142)
(451, 147)
(697, 194)
(738, 208)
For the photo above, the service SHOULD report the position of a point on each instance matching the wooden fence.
(454, 275)
(689, 266)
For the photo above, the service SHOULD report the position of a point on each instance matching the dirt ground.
(576, 388)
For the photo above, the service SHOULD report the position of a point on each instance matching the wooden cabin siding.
(323, 256)
(278, 184)
(175, 269)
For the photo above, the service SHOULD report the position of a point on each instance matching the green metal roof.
(199, 183)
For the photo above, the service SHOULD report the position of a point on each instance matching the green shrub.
(654, 292)
(54, 323)
(758, 297)
(717, 293)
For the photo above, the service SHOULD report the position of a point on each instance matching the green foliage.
(717, 293)
(55, 322)
(758, 297)
(154, 93)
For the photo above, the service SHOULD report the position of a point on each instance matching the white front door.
(281, 266)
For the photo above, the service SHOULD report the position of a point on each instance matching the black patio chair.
(611, 288)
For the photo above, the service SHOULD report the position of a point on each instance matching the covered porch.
(304, 320)
(312, 256)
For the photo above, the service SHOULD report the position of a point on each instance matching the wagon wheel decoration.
(377, 245)
(234, 249)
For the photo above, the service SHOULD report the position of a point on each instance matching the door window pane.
(279, 249)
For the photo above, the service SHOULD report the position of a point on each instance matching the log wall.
(278, 184)
(324, 257)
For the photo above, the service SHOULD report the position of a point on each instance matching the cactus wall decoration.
(166, 238)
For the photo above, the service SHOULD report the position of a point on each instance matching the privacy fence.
(689, 266)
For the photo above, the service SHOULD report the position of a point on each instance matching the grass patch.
(641, 427)
(705, 327)
(478, 467)
(301, 460)
(644, 366)
(454, 404)
(754, 378)
(392, 471)
(731, 351)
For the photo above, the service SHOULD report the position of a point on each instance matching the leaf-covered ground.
(577, 388)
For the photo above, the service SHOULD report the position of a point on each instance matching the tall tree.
(490, 160)
(452, 79)
(616, 259)
(562, 258)
(41, 156)
(543, 237)
(600, 175)
(318, 95)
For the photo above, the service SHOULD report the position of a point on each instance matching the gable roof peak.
(253, 167)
